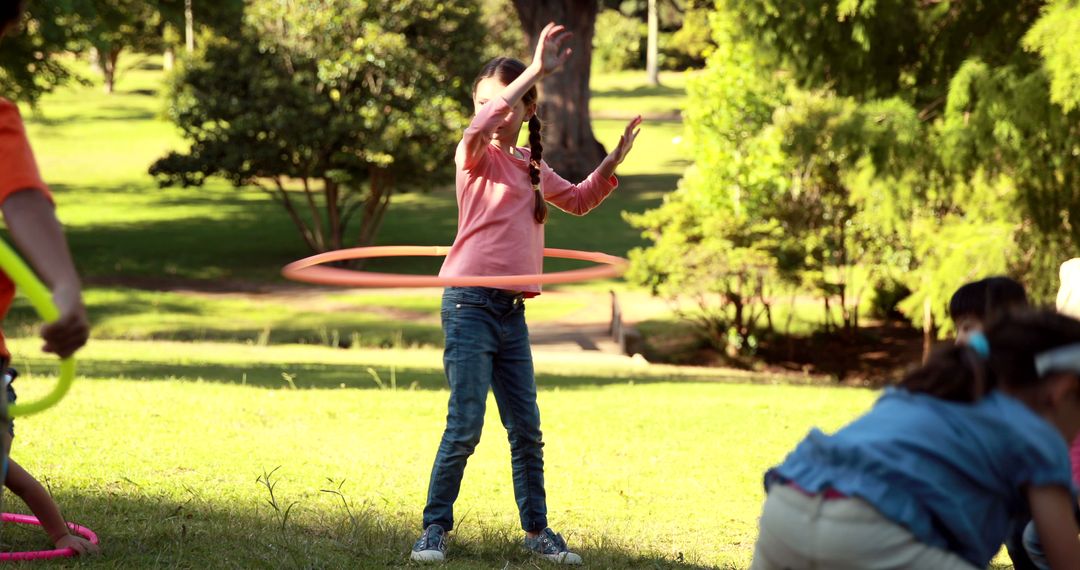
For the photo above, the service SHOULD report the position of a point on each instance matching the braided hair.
(507, 69)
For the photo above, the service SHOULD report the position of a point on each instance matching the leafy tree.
(617, 44)
(30, 57)
(330, 106)
(111, 26)
(715, 241)
(933, 141)
(504, 36)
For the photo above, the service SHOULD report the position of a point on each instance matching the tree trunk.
(652, 54)
(169, 59)
(189, 27)
(569, 144)
(107, 59)
(928, 329)
(375, 206)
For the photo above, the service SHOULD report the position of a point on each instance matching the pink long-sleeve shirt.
(497, 234)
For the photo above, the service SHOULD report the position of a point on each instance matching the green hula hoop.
(40, 298)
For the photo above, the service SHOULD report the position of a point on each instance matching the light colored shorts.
(802, 532)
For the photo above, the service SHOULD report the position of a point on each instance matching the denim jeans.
(487, 345)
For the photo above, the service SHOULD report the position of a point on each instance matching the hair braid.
(536, 154)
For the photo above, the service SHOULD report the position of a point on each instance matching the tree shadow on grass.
(640, 91)
(117, 113)
(358, 376)
(141, 526)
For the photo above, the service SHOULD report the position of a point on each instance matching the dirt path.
(585, 330)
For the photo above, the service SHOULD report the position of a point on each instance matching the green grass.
(329, 318)
(628, 92)
(160, 448)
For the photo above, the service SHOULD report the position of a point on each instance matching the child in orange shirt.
(28, 210)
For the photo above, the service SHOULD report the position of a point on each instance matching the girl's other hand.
(626, 141)
(550, 54)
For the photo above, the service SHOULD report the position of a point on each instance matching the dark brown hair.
(506, 70)
(960, 374)
(986, 299)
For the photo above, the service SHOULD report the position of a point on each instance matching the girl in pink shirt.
(502, 193)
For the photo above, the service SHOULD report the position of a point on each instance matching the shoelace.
(549, 538)
(431, 539)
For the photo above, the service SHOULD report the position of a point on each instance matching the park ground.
(217, 422)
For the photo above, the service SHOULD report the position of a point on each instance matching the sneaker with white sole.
(552, 547)
(431, 546)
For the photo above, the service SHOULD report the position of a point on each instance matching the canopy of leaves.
(29, 56)
(339, 91)
(930, 142)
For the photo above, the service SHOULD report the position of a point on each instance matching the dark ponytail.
(961, 374)
(536, 154)
(957, 374)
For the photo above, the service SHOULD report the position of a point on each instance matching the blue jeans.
(1034, 548)
(487, 345)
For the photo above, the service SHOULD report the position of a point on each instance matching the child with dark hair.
(30, 216)
(934, 473)
(1068, 303)
(971, 307)
(976, 303)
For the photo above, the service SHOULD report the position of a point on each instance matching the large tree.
(112, 26)
(330, 106)
(569, 144)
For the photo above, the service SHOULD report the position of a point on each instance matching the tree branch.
(305, 232)
(316, 217)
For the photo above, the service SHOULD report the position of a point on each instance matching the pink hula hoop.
(43, 554)
(310, 269)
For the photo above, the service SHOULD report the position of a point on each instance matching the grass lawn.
(629, 92)
(161, 446)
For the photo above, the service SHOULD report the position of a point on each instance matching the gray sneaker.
(551, 547)
(431, 546)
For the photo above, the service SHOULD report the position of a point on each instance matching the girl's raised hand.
(626, 141)
(550, 51)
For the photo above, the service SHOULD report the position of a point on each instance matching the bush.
(619, 42)
(887, 294)
(504, 36)
(690, 45)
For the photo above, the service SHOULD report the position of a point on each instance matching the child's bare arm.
(20, 482)
(23, 484)
(31, 218)
(1052, 511)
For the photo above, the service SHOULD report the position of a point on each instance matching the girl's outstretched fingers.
(626, 141)
(551, 52)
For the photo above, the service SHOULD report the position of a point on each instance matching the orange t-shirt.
(18, 171)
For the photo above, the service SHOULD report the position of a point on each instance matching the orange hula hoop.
(311, 270)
